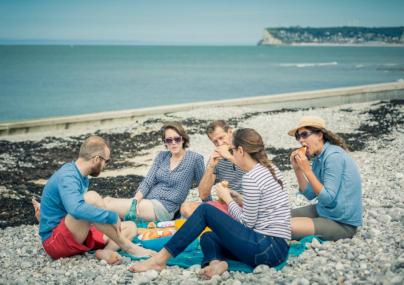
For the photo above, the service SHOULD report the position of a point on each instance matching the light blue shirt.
(171, 187)
(341, 197)
(64, 194)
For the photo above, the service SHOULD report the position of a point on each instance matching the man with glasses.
(220, 167)
(74, 220)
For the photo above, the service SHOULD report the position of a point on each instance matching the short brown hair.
(215, 124)
(176, 126)
(93, 146)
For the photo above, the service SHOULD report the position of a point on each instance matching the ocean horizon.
(40, 81)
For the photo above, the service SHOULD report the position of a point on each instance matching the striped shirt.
(265, 204)
(171, 187)
(226, 170)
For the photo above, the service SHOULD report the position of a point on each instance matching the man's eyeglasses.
(303, 135)
(106, 160)
(172, 140)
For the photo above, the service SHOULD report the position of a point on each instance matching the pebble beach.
(374, 132)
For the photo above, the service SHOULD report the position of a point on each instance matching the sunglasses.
(172, 140)
(303, 135)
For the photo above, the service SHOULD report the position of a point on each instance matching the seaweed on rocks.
(280, 157)
(118, 186)
(384, 117)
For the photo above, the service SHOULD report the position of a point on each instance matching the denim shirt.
(341, 197)
(64, 194)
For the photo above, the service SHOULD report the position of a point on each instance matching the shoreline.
(314, 98)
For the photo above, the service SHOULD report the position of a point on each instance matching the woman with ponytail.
(333, 179)
(259, 231)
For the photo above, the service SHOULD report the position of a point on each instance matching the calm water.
(45, 81)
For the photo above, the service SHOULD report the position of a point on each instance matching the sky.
(193, 22)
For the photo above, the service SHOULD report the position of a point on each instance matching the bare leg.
(145, 208)
(80, 229)
(120, 240)
(118, 205)
(215, 267)
(301, 227)
(157, 262)
(188, 208)
(115, 239)
(37, 208)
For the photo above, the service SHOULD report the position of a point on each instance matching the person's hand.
(117, 226)
(302, 162)
(293, 159)
(223, 193)
(214, 159)
(224, 152)
(237, 197)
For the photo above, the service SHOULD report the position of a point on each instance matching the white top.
(265, 204)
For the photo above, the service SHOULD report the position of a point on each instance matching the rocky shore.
(374, 131)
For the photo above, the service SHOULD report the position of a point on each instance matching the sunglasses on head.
(304, 134)
(171, 140)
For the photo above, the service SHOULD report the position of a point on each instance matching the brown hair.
(251, 142)
(93, 146)
(215, 124)
(177, 127)
(329, 136)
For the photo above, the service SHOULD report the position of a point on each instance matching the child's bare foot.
(215, 267)
(110, 256)
(149, 264)
(37, 208)
(138, 251)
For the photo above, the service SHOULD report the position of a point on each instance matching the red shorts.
(62, 243)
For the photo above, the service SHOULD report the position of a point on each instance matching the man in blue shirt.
(74, 220)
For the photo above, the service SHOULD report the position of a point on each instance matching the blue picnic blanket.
(193, 254)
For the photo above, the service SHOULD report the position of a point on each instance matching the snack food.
(303, 150)
(225, 183)
(148, 234)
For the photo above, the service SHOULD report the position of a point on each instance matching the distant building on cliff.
(333, 35)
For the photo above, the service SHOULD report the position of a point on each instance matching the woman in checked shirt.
(258, 233)
(167, 183)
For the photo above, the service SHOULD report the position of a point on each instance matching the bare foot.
(37, 208)
(215, 267)
(110, 256)
(149, 264)
(139, 251)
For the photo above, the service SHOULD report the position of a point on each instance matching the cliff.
(333, 35)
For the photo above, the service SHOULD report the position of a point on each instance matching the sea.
(47, 81)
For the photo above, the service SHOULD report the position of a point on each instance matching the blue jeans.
(229, 239)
